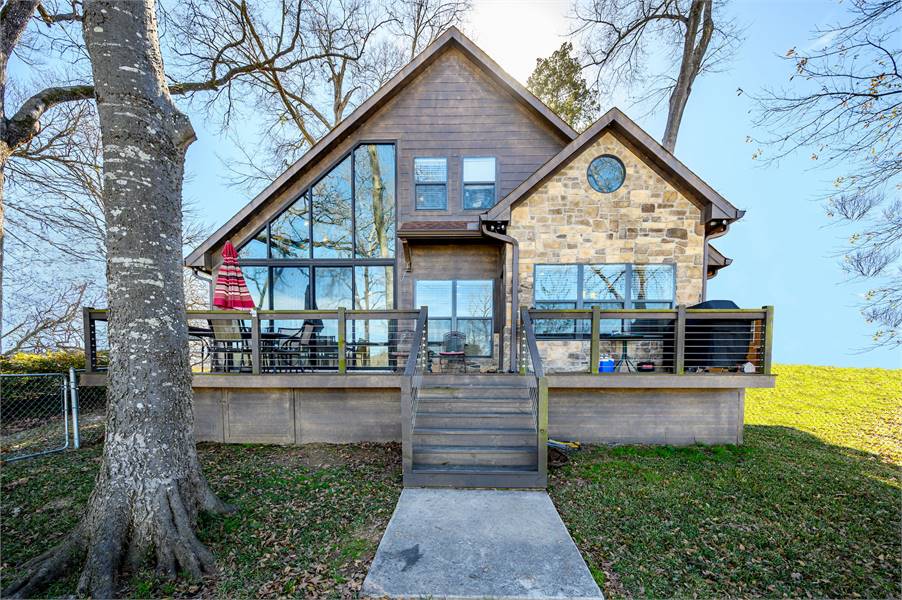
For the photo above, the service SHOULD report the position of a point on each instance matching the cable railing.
(416, 364)
(673, 341)
(530, 366)
(282, 341)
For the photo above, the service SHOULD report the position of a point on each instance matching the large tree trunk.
(694, 48)
(150, 488)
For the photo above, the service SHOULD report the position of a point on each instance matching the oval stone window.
(606, 174)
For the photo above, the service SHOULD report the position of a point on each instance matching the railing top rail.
(640, 313)
(100, 314)
(531, 344)
(415, 345)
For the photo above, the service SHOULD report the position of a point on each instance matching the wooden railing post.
(255, 343)
(768, 338)
(90, 341)
(594, 343)
(679, 341)
(342, 330)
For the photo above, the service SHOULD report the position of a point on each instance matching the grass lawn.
(810, 505)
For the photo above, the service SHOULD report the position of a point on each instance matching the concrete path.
(446, 543)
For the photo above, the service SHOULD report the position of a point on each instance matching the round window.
(606, 174)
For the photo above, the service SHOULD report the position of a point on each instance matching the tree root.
(46, 567)
(111, 538)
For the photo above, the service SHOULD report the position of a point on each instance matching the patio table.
(625, 338)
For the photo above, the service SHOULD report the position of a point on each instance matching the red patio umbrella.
(231, 290)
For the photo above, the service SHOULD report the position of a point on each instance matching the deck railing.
(417, 363)
(282, 341)
(530, 366)
(676, 341)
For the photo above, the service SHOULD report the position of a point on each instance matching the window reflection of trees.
(331, 199)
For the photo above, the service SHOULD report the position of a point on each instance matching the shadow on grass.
(309, 518)
(784, 514)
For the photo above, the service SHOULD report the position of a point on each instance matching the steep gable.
(715, 208)
(475, 106)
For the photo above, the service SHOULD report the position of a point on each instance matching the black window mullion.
(353, 205)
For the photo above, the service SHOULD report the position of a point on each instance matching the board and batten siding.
(452, 109)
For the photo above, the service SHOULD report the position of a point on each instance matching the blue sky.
(784, 250)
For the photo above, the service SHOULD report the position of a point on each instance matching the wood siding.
(453, 109)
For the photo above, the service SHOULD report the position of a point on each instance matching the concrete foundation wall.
(647, 416)
(345, 415)
(297, 416)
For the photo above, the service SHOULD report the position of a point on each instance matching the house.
(536, 251)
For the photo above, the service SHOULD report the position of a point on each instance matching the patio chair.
(229, 350)
(297, 350)
(453, 352)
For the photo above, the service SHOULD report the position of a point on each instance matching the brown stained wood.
(452, 86)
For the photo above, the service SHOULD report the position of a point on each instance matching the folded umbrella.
(231, 290)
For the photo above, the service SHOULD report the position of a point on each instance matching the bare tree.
(350, 49)
(150, 487)
(620, 37)
(419, 22)
(44, 317)
(844, 106)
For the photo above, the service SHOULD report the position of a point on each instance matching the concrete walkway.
(447, 543)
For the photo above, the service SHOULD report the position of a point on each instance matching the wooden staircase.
(474, 431)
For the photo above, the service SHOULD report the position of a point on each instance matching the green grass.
(308, 523)
(808, 506)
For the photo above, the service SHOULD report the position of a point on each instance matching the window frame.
(430, 184)
(464, 183)
(454, 318)
(309, 261)
(582, 303)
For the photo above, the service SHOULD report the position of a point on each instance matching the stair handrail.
(538, 388)
(532, 348)
(411, 381)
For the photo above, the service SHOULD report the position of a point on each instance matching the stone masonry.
(646, 221)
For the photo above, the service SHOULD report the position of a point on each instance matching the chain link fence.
(34, 414)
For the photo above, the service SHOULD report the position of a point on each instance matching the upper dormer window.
(431, 183)
(479, 183)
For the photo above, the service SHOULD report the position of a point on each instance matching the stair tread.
(430, 448)
(476, 430)
(492, 414)
(522, 469)
(486, 399)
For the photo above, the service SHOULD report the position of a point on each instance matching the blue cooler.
(606, 364)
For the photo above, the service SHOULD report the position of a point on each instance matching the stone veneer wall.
(646, 221)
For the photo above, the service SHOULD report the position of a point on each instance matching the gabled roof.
(716, 261)
(452, 38)
(715, 206)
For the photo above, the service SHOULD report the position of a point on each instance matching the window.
(606, 174)
(334, 245)
(459, 305)
(431, 183)
(255, 247)
(289, 233)
(374, 201)
(606, 286)
(331, 201)
(479, 183)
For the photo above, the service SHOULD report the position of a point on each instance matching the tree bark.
(694, 49)
(150, 488)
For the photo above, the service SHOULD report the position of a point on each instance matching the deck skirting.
(366, 408)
